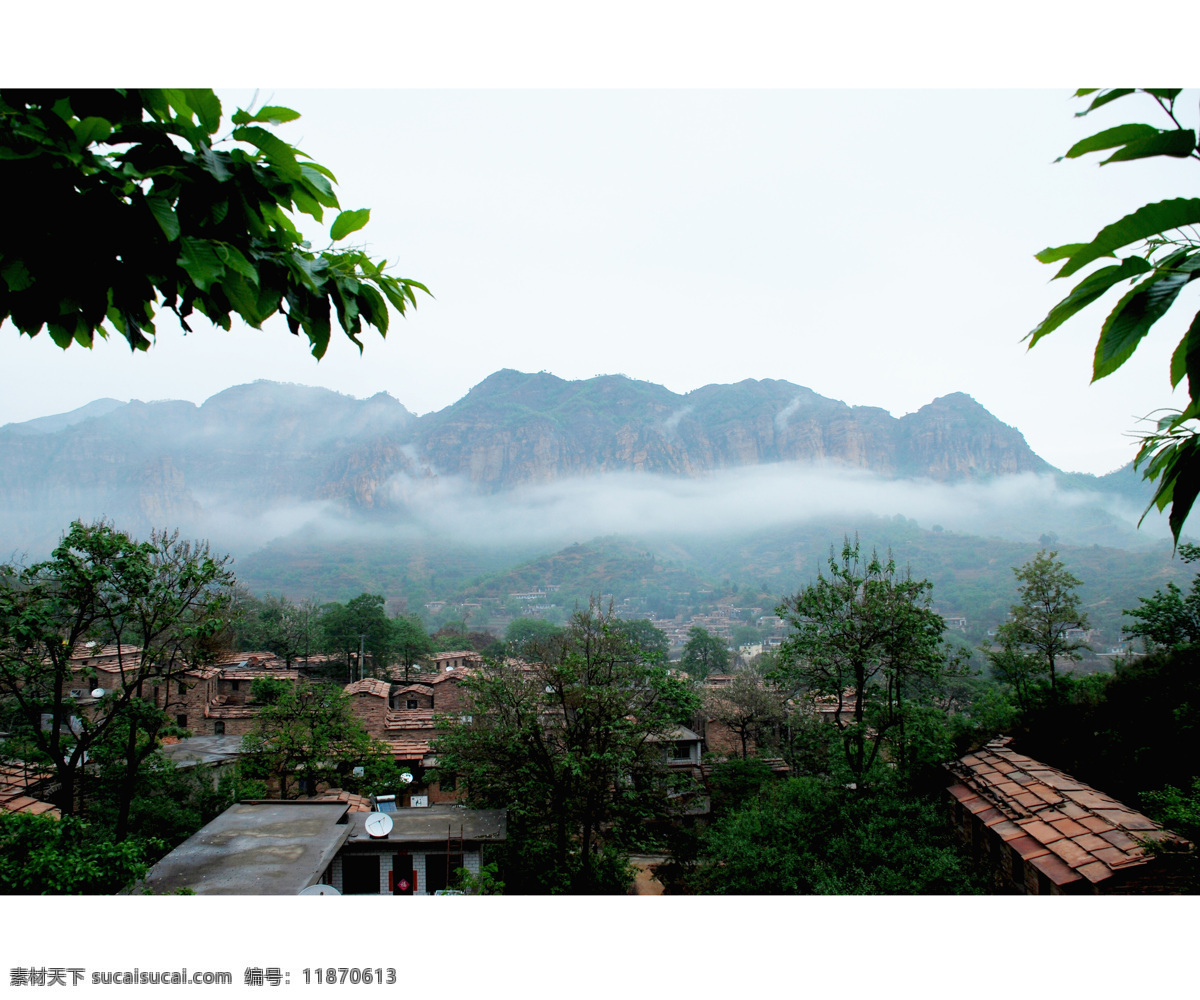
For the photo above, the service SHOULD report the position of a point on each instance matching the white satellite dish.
(378, 824)
(406, 777)
(319, 890)
(98, 692)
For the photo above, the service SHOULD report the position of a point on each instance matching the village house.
(1045, 832)
(212, 700)
(284, 848)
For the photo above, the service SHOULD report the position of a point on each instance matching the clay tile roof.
(357, 803)
(370, 685)
(219, 710)
(424, 689)
(407, 748)
(409, 718)
(1057, 823)
(15, 801)
(253, 673)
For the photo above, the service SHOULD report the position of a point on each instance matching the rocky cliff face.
(514, 429)
(256, 447)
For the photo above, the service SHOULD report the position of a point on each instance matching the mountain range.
(266, 459)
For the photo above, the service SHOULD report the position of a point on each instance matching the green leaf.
(1139, 310)
(165, 216)
(1085, 293)
(318, 186)
(1185, 485)
(1186, 360)
(1109, 138)
(1085, 91)
(349, 222)
(272, 115)
(215, 163)
(1105, 97)
(92, 130)
(233, 259)
(279, 154)
(1178, 142)
(16, 276)
(1051, 254)
(306, 203)
(201, 262)
(1147, 221)
(207, 106)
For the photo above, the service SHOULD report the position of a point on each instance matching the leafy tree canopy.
(704, 653)
(131, 200)
(1048, 609)
(1163, 256)
(804, 836)
(1170, 617)
(571, 746)
(863, 637)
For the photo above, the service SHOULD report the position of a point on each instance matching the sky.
(875, 245)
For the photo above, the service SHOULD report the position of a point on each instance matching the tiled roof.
(218, 710)
(409, 718)
(357, 803)
(253, 673)
(452, 654)
(1067, 830)
(16, 780)
(424, 689)
(369, 685)
(408, 748)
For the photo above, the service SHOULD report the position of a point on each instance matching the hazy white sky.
(873, 245)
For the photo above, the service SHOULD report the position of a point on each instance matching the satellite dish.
(406, 777)
(319, 890)
(378, 824)
(98, 692)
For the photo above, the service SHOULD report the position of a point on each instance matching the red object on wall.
(391, 888)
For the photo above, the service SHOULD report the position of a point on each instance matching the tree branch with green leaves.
(132, 203)
(1163, 257)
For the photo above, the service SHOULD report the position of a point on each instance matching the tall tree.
(704, 653)
(158, 601)
(570, 746)
(1048, 609)
(306, 731)
(410, 642)
(195, 223)
(861, 636)
(1167, 259)
(748, 705)
(1171, 617)
(360, 623)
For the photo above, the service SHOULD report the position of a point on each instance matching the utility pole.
(362, 639)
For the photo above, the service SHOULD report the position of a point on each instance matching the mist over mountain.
(532, 459)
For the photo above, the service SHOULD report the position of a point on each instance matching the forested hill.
(258, 461)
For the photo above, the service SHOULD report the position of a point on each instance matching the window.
(360, 875)
(181, 721)
(439, 871)
(218, 728)
(681, 751)
(233, 685)
(411, 703)
(181, 688)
